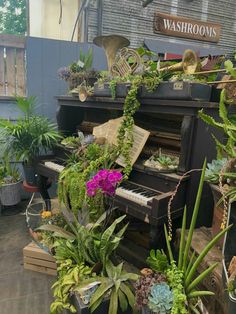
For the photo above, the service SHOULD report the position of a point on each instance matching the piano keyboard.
(54, 166)
(136, 193)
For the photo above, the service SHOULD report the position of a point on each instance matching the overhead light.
(146, 2)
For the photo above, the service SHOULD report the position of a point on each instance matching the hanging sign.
(179, 26)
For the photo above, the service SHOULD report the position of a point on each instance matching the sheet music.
(109, 130)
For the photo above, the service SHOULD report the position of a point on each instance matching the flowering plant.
(105, 180)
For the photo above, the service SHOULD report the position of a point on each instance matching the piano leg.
(43, 189)
(157, 237)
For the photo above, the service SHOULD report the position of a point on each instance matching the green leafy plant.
(84, 63)
(8, 172)
(157, 260)
(71, 142)
(182, 273)
(30, 136)
(230, 68)
(72, 181)
(88, 244)
(115, 282)
(227, 126)
(69, 276)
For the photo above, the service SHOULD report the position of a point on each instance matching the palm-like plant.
(30, 136)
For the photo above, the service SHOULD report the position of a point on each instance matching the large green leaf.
(113, 305)
(60, 231)
(199, 293)
(106, 236)
(182, 239)
(129, 294)
(209, 120)
(122, 301)
(201, 256)
(200, 278)
(101, 291)
(194, 218)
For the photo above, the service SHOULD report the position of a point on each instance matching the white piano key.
(132, 196)
(54, 166)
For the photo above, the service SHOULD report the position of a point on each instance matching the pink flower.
(105, 180)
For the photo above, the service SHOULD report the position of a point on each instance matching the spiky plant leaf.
(113, 305)
(194, 218)
(122, 301)
(201, 256)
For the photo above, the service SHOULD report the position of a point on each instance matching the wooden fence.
(12, 65)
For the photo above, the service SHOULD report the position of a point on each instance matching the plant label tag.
(178, 86)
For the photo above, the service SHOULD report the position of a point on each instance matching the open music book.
(109, 130)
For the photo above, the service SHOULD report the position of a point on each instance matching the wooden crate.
(38, 260)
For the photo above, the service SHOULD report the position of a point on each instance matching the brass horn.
(188, 64)
(111, 45)
(83, 93)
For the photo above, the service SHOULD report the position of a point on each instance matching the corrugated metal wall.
(129, 18)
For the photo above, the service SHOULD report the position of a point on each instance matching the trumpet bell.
(188, 64)
(190, 61)
(111, 44)
(83, 93)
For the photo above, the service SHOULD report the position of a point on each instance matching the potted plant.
(10, 184)
(162, 162)
(171, 285)
(80, 72)
(31, 136)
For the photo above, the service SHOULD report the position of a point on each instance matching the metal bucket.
(10, 194)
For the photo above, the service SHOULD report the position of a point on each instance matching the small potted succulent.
(162, 162)
(10, 184)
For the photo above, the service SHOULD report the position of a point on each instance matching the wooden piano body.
(177, 129)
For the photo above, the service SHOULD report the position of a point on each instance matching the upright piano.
(175, 128)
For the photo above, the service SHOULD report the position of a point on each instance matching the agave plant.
(115, 282)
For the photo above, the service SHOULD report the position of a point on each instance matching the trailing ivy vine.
(125, 132)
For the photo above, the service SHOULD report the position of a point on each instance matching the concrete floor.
(21, 291)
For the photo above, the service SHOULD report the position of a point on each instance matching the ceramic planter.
(81, 308)
(10, 194)
(30, 174)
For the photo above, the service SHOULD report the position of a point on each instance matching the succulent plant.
(160, 299)
(88, 139)
(143, 286)
(213, 170)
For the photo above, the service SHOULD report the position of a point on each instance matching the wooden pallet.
(38, 260)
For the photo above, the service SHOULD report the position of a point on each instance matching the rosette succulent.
(160, 299)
